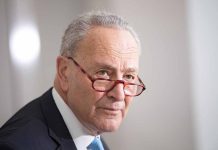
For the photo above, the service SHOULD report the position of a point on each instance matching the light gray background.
(179, 60)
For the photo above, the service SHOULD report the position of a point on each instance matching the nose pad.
(117, 92)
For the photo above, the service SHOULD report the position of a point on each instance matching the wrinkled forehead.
(109, 41)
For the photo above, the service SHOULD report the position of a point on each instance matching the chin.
(110, 125)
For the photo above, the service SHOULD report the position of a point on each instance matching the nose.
(117, 92)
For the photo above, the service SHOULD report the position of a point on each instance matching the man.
(96, 80)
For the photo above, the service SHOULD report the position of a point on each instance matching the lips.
(114, 107)
(111, 113)
(112, 110)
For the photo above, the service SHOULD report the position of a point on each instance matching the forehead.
(109, 44)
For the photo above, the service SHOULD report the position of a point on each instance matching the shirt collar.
(77, 131)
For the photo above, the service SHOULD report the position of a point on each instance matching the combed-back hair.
(77, 30)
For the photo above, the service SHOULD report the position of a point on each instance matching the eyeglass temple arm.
(141, 82)
(83, 71)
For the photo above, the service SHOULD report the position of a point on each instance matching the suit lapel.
(55, 123)
(57, 129)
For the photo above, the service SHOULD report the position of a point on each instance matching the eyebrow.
(131, 70)
(110, 67)
(103, 65)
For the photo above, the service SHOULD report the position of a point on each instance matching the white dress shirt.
(77, 131)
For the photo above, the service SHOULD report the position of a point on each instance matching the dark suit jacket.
(37, 126)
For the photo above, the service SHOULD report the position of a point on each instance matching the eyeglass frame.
(115, 81)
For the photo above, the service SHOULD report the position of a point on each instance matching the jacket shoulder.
(31, 135)
(27, 128)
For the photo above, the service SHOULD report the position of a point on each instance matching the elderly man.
(96, 80)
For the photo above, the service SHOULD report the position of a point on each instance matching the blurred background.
(179, 109)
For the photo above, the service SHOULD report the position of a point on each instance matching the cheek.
(80, 87)
(128, 101)
(79, 95)
(84, 98)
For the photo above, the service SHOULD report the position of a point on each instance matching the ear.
(63, 72)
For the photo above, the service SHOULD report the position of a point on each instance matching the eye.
(102, 74)
(129, 77)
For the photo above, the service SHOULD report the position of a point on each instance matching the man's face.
(104, 53)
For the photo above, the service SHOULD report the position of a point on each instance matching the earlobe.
(62, 72)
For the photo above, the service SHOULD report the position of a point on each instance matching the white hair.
(77, 30)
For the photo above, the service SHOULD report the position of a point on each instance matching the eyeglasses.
(106, 85)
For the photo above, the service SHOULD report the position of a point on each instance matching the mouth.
(110, 111)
